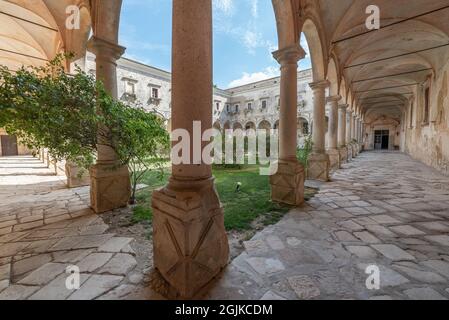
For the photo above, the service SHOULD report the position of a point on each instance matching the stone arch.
(286, 22)
(333, 77)
(250, 125)
(264, 125)
(237, 125)
(317, 53)
(217, 125)
(227, 125)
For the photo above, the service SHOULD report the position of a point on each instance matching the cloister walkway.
(382, 209)
(45, 228)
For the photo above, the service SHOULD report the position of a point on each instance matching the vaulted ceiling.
(34, 31)
(365, 58)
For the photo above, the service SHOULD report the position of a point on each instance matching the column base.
(110, 188)
(335, 158)
(343, 155)
(349, 149)
(319, 167)
(76, 177)
(189, 239)
(287, 185)
(354, 149)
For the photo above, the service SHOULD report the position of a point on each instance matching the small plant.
(304, 152)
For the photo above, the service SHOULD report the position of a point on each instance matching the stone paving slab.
(46, 228)
(31, 195)
(382, 209)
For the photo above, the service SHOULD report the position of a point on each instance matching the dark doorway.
(9, 146)
(381, 139)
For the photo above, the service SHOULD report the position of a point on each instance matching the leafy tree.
(70, 114)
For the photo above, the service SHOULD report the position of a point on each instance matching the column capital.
(335, 98)
(102, 47)
(344, 106)
(289, 55)
(323, 84)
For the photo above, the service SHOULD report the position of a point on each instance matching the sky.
(244, 38)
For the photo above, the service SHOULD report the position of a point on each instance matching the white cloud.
(225, 6)
(267, 73)
(254, 8)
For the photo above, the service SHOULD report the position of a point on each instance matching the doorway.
(9, 146)
(381, 139)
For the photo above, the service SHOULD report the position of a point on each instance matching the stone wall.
(22, 150)
(383, 122)
(429, 143)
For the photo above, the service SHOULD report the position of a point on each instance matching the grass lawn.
(240, 208)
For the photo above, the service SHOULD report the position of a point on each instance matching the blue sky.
(244, 37)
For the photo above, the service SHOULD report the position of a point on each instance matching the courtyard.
(122, 180)
(396, 218)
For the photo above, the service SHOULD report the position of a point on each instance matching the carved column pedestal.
(349, 149)
(287, 185)
(343, 155)
(319, 167)
(190, 241)
(335, 158)
(110, 188)
(76, 177)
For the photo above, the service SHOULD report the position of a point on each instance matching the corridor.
(382, 210)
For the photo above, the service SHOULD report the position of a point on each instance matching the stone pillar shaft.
(349, 127)
(333, 122)
(106, 56)
(192, 87)
(288, 60)
(190, 241)
(333, 152)
(319, 161)
(342, 125)
(319, 116)
(287, 185)
(110, 182)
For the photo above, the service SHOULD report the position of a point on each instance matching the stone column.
(333, 152)
(110, 182)
(359, 133)
(287, 185)
(319, 163)
(189, 239)
(342, 132)
(349, 134)
(354, 134)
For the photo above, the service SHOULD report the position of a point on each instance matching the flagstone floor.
(383, 210)
(46, 228)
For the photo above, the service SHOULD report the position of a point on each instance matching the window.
(130, 87)
(155, 93)
(217, 105)
(237, 108)
(228, 108)
(264, 104)
(305, 128)
(426, 105)
(249, 106)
